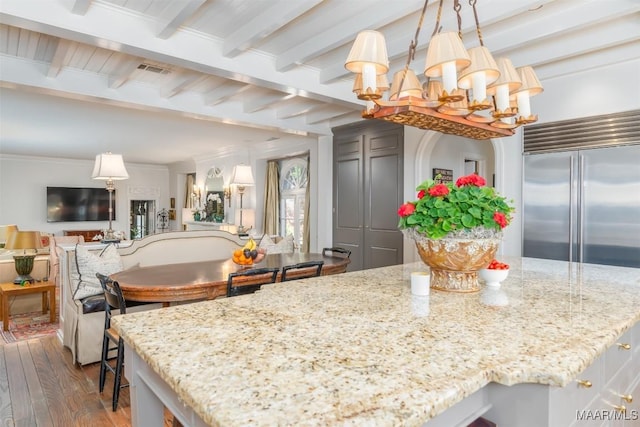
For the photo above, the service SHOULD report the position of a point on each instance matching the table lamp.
(242, 177)
(5, 231)
(109, 167)
(25, 240)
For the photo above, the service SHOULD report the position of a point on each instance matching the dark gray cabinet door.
(348, 197)
(368, 188)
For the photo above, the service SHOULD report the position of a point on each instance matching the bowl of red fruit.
(495, 273)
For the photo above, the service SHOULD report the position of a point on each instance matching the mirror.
(214, 195)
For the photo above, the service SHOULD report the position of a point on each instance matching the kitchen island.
(358, 349)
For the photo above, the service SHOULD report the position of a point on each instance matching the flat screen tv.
(78, 204)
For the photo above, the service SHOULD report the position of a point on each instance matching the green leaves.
(465, 207)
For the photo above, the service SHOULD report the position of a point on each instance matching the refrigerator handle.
(571, 208)
(581, 207)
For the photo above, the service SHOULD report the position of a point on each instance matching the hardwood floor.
(40, 386)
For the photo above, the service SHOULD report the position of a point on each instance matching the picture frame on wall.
(442, 176)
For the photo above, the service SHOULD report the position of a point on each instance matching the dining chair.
(345, 253)
(248, 281)
(302, 270)
(114, 300)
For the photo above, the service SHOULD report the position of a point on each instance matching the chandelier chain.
(472, 3)
(437, 28)
(414, 43)
(457, 7)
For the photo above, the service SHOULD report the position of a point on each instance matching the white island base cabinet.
(606, 394)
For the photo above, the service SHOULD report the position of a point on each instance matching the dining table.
(204, 280)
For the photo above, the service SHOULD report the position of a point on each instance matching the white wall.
(319, 149)
(177, 188)
(611, 89)
(24, 180)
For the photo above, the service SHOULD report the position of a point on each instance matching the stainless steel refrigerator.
(583, 206)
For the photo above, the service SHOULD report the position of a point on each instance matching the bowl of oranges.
(495, 273)
(249, 254)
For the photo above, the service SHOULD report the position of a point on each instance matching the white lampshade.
(24, 240)
(508, 76)
(109, 167)
(368, 56)
(530, 81)
(368, 48)
(530, 86)
(410, 86)
(482, 71)
(434, 89)
(6, 230)
(508, 82)
(382, 83)
(445, 56)
(242, 176)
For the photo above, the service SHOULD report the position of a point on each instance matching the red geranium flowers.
(442, 208)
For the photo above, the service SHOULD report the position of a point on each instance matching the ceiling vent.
(153, 68)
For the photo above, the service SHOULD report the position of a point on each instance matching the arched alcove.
(427, 157)
(423, 162)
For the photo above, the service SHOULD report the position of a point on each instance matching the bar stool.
(302, 270)
(114, 300)
(248, 281)
(345, 253)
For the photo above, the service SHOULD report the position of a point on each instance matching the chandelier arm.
(414, 44)
(437, 27)
(457, 7)
(472, 3)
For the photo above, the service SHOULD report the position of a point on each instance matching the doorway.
(142, 218)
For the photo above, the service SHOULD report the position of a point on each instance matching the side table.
(9, 289)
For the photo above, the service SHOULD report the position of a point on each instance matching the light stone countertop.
(359, 349)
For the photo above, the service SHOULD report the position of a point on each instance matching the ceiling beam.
(127, 67)
(186, 49)
(345, 31)
(182, 83)
(272, 18)
(294, 109)
(79, 85)
(60, 57)
(80, 7)
(174, 15)
(224, 92)
(260, 101)
(324, 114)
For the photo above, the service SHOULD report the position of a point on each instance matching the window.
(293, 185)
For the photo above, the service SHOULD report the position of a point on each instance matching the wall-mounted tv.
(78, 204)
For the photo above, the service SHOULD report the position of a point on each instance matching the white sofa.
(82, 332)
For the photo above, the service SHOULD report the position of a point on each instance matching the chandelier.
(466, 93)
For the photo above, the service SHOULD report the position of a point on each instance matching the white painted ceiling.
(231, 73)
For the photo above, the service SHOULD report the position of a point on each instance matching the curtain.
(306, 233)
(272, 199)
(188, 200)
